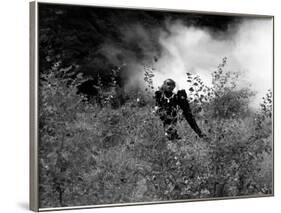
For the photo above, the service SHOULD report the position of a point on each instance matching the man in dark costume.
(167, 106)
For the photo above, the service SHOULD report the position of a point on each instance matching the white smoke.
(196, 50)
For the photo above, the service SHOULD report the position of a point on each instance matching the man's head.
(169, 85)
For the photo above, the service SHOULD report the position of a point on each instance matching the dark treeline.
(73, 37)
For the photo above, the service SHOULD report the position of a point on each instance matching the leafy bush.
(93, 153)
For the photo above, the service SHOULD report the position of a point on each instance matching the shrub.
(92, 153)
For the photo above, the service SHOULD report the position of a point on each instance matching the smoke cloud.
(195, 50)
(179, 49)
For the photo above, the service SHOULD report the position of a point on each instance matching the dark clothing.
(168, 106)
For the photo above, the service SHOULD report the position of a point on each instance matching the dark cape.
(168, 106)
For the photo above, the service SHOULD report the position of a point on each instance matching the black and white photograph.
(146, 106)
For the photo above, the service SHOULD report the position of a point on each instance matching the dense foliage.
(111, 148)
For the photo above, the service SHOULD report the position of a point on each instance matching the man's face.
(169, 86)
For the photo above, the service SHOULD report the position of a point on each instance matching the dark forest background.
(100, 141)
(75, 36)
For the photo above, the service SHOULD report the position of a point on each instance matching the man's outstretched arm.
(184, 105)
